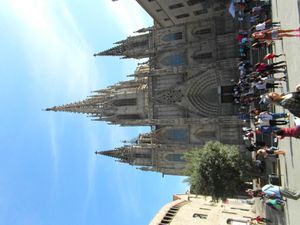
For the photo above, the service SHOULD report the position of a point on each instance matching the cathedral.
(184, 90)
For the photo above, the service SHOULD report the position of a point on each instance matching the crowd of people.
(255, 95)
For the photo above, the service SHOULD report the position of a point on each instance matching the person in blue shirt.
(274, 191)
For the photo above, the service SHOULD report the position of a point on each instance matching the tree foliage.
(216, 169)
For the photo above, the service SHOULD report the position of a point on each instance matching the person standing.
(274, 191)
(265, 152)
(274, 34)
(290, 101)
(288, 132)
(272, 56)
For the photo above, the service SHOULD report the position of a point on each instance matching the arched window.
(174, 60)
(172, 37)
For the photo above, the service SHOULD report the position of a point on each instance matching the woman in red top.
(288, 132)
(272, 56)
(274, 34)
(262, 67)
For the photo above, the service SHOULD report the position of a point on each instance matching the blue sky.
(48, 171)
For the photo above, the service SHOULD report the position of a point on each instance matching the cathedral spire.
(122, 154)
(88, 106)
(117, 153)
(133, 47)
(116, 104)
(115, 51)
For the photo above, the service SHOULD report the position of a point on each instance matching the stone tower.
(184, 91)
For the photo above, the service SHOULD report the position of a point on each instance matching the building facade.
(169, 13)
(197, 209)
(183, 91)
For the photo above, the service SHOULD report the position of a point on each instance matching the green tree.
(217, 170)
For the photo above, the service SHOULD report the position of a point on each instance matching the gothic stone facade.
(183, 92)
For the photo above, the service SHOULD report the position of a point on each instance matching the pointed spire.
(122, 154)
(143, 30)
(110, 153)
(115, 51)
(146, 168)
(88, 106)
(133, 47)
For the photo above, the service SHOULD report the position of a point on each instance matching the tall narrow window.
(125, 102)
(194, 2)
(199, 55)
(172, 37)
(175, 157)
(200, 12)
(129, 117)
(174, 60)
(182, 16)
(199, 31)
(176, 6)
(177, 134)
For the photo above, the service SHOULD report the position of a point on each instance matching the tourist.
(272, 56)
(258, 44)
(274, 34)
(272, 191)
(271, 116)
(262, 85)
(265, 25)
(265, 152)
(258, 10)
(290, 100)
(255, 111)
(287, 132)
(274, 203)
(266, 129)
(270, 79)
(263, 67)
(260, 220)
